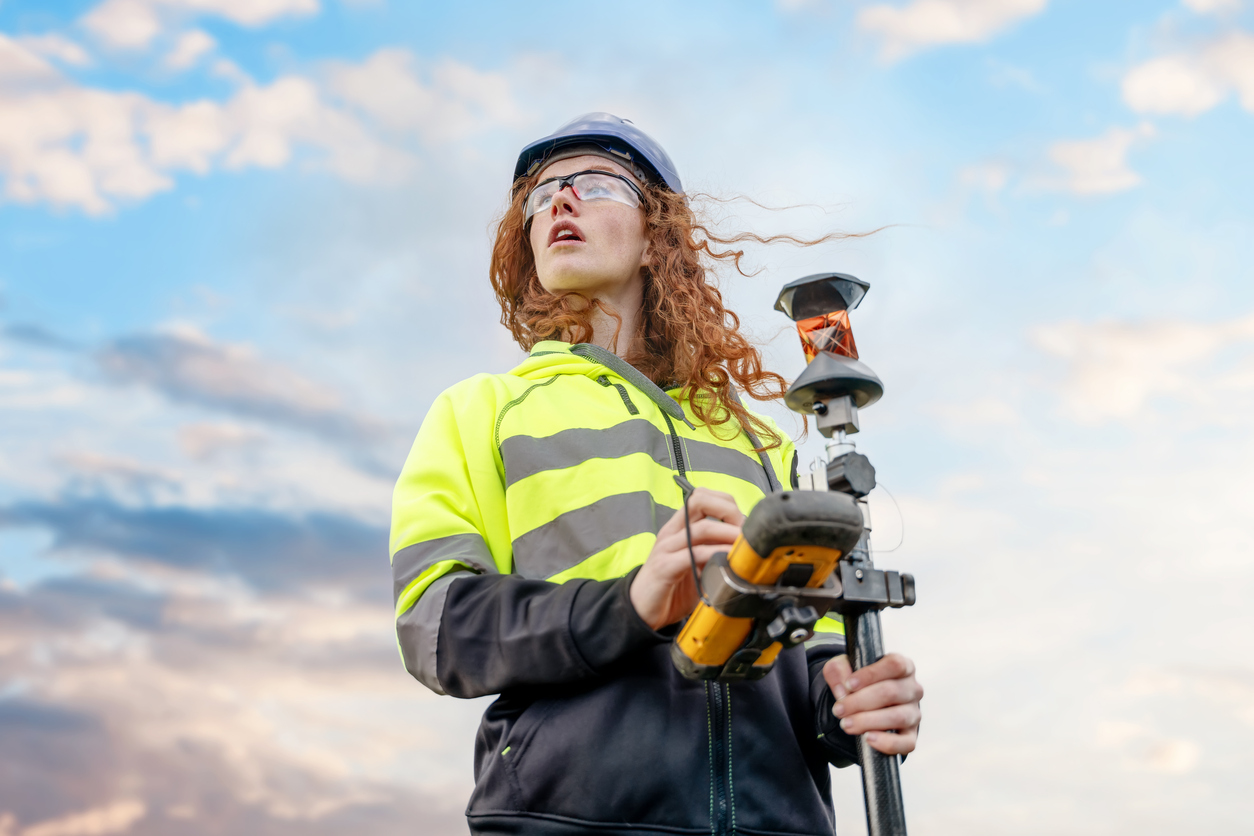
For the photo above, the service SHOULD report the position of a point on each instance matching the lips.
(563, 231)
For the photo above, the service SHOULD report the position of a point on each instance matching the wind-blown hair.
(689, 338)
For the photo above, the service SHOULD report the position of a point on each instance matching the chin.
(567, 284)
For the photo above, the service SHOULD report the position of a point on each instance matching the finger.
(893, 744)
(676, 566)
(894, 718)
(835, 672)
(892, 666)
(707, 531)
(879, 695)
(701, 504)
(707, 503)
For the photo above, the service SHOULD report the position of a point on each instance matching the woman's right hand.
(663, 591)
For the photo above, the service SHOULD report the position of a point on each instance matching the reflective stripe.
(525, 455)
(772, 481)
(577, 535)
(704, 456)
(418, 631)
(410, 562)
(830, 625)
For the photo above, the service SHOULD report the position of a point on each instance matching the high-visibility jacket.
(526, 505)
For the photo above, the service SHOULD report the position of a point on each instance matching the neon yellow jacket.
(523, 509)
(563, 468)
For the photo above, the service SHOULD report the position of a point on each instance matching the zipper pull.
(685, 486)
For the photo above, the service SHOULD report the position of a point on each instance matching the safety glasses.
(586, 185)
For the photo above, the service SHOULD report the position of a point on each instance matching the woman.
(539, 546)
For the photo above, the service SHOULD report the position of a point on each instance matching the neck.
(626, 302)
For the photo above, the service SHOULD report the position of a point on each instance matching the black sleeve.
(502, 631)
(840, 748)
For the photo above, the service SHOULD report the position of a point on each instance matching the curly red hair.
(689, 338)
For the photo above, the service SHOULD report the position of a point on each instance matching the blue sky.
(243, 245)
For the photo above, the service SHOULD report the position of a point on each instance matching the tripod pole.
(881, 781)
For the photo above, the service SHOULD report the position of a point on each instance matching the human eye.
(541, 197)
(596, 187)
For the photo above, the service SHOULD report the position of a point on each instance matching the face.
(604, 256)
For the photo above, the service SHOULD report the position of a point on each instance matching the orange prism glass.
(827, 332)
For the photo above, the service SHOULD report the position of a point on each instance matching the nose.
(564, 202)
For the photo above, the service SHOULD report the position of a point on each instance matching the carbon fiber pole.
(881, 781)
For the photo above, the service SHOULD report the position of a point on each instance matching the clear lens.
(541, 196)
(589, 185)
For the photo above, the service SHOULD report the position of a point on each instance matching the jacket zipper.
(717, 699)
(622, 393)
(679, 450)
(720, 769)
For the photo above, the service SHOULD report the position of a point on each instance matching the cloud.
(1213, 6)
(20, 63)
(134, 24)
(56, 47)
(189, 49)
(1192, 82)
(37, 335)
(259, 714)
(267, 550)
(456, 102)
(206, 442)
(1117, 368)
(1099, 165)
(192, 368)
(99, 821)
(86, 148)
(927, 23)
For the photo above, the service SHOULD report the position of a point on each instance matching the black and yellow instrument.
(804, 553)
(771, 588)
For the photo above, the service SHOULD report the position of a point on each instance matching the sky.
(243, 246)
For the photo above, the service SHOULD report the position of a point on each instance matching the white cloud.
(84, 148)
(20, 63)
(58, 48)
(1098, 165)
(98, 821)
(205, 441)
(190, 48)
(1192, 82)
(1213, 6)
(1116, 368)
(74, 146)
(134, 24)
(926, 23)
(459, 100)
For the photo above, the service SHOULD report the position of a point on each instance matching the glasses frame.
(568, 180)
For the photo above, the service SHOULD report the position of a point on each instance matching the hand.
(663, 591)
(882, 697)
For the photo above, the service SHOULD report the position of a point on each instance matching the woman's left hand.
(877, 700)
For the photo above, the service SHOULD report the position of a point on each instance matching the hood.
(553, 357)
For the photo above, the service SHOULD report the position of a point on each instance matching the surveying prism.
(804, 553)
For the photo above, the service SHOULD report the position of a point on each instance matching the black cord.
(692, 555)
(688, 488)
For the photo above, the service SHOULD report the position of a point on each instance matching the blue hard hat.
(617, 136)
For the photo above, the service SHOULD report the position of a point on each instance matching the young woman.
(539, 550)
